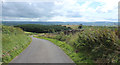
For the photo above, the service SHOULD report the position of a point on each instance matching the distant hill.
(60, 23)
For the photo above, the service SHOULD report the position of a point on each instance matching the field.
(72, 26)
(14, 41)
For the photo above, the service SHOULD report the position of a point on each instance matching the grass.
(30, 33)
(0, 44)
(69, 50)
(14, 41)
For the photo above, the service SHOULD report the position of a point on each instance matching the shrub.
(80, 26)
(99, 44)
(61, 37)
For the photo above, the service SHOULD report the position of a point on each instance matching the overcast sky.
(64, 10)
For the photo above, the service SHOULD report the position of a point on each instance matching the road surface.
(42, 51)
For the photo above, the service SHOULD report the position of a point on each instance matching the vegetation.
(14, 41)
(72, 26)
(42, 28)
(88, 44)
(30, 33)
(99, 44)
(0, 43)
(80, 26)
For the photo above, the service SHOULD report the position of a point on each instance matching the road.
(42, 51)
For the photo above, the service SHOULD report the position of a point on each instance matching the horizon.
(60, 23)
(63, 21)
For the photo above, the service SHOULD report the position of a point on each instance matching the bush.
(61, 37)
(99, 44)
(80, 26)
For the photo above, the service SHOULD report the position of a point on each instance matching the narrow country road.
(42, 51)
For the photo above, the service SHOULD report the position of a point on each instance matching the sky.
(61, 10)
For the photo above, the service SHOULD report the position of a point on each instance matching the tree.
(69, 28)
(80, 26)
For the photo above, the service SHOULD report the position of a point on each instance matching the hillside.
(14, 41)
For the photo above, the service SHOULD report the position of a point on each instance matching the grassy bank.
(69, 50)
(14, 41)
(0, 43)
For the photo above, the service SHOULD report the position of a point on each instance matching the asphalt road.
(42, 51)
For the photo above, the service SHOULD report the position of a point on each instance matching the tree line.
(36, 28)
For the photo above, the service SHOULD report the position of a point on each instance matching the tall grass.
(14, 41)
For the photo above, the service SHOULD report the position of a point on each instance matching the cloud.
(24, 9)
(62, 10)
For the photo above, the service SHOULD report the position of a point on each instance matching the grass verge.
(16, 52)
(12, 54)
(69, 50)
(14, 41)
